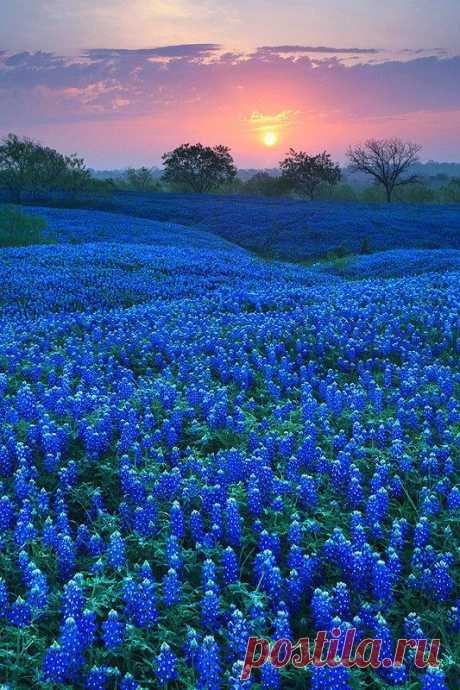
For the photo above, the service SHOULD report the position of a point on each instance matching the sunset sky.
(121, 81)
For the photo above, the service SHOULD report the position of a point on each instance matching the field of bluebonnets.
(198, 445)
(283, 228)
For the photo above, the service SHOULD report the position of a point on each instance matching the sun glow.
(270, 138)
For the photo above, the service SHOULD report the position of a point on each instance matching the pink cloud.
(129, 105)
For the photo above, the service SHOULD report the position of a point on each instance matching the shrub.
(264, 184)
(339, 192)
(339, 252)
(18, 229)
(365, 247)
(418, 193)
(452, 191)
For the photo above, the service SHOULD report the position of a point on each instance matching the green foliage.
(422, 192)
(365, 246)
(18, 229)
(339, 192)
(232, 187)
(417, 193)
(452, 191)
(76, 176)
(373, 194)
(198, 168)
(28, 166)
(142, 180)
(304, 173)
(264, 184)
(339, 253)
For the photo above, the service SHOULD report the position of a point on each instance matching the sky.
(122, 81)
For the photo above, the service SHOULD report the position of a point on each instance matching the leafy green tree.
(141, 179)
(264, 184)
(198, 168)
(76, 177)
(17, 160)
(48, 170)
(305, 173)
(28, 166)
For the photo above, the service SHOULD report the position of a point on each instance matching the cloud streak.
(173, 75)
(194, 91)
(192, 50)
(322, 50)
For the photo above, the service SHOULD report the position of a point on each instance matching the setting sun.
(270, 138)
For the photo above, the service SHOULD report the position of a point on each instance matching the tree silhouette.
(198, 168)
(141, 179)
(28, 166)
(386, 160)
(305, 173)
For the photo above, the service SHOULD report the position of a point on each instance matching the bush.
(264, 184)
(339, 252)
(339, 192)
(18, 229)
(373, 194)
(451, 192)
(365, 247)
(418, 193)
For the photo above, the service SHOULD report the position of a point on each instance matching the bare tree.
(386, 160)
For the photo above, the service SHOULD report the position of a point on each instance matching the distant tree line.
(387, 166)
(378, 170)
